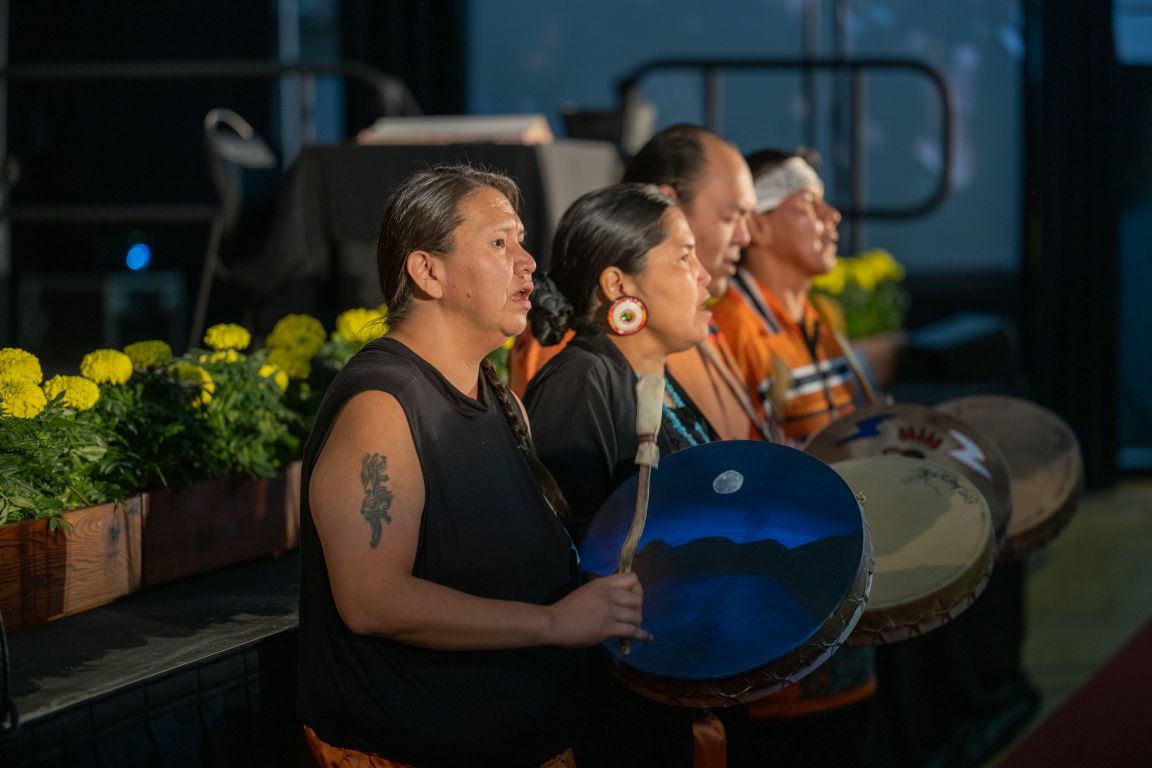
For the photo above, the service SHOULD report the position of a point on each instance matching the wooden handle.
(649, 408)
(849, 355)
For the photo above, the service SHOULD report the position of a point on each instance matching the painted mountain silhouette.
(817, 574)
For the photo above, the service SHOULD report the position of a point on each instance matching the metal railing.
(712, 68)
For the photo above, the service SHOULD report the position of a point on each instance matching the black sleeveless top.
(486, 530)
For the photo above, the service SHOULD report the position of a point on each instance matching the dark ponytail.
(551, 313)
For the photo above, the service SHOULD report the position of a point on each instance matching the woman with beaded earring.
(626, 279)
(440, 597)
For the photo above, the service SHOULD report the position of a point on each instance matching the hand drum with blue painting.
(756, 565)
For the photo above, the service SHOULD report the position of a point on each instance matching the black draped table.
(323, 234)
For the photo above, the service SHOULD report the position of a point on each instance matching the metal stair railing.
(712, 68)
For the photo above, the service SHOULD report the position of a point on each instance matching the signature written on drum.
(942, 482)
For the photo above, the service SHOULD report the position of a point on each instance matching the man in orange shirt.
(778, 338)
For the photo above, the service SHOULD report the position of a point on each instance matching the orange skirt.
(328, 756)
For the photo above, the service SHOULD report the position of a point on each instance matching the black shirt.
(582, 406)
(486, 530)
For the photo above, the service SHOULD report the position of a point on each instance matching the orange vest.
(821, 385)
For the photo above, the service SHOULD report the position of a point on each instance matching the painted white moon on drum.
(728, 482)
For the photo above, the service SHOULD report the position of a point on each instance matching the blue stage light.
(139, 257)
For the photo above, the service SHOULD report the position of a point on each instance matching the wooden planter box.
(46, 575)
(217, 523)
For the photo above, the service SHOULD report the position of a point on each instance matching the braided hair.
(548, 486)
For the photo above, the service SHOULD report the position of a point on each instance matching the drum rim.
(920, 615)
(1020, 544)
(835, 631)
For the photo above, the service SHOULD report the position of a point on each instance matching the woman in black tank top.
(625, 276)
(440, 598)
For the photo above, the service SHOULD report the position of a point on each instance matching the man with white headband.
(773, 329)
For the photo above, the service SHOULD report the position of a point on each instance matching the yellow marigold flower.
(227, 336)
(303, 334)
(361, 325)
(224, 356)
(194, 374)
(865, 274)
(832, 282)
(877, 265)
(19, 365)
(78, 392)
(278, 375)
(21, 399)
(297, 367)
(149, 354)
(509, 342)
(886, 266)
(106, 366)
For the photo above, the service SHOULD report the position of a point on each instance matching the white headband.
(788, 178)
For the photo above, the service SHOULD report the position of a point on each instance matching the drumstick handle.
(857, 369)
(632, 540)
(649, 407)
(849, 355)
(639, 518)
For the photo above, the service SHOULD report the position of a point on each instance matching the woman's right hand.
(609, 606)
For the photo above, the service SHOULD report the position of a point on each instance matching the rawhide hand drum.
(755, 564)
(1043, 460)
(921, 432)
(933, 545)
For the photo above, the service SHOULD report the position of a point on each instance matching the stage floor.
(1088, 592)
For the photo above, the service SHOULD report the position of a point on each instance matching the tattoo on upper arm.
(377, 498)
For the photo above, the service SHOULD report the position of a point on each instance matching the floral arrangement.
(135, 419)
(299, 345)
(51, 456)
(141, 418)
(866, 293)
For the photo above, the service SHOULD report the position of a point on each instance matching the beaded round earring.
(627, 315)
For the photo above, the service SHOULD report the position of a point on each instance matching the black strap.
(812, 342)
(745, 284)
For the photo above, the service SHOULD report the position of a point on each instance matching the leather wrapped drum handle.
(649, 407)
